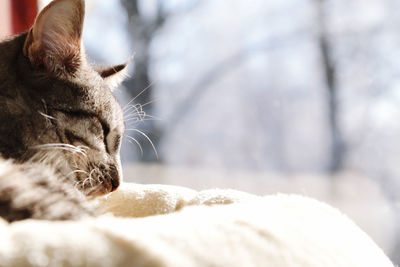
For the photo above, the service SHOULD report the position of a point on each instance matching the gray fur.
(60, 130)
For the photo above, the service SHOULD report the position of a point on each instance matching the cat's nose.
(115, 184)
(115, 178)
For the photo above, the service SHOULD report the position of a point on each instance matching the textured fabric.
(183, 227)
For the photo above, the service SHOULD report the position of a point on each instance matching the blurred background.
(293, 96)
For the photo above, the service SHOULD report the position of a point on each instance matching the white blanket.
(173, 226)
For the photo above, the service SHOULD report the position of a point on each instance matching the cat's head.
(57, 108)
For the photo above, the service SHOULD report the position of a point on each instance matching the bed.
(159, 225)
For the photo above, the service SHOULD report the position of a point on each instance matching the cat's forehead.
(97, 97)
(89, 93)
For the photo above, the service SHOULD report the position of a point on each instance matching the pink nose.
(115, 184)
(115, 178)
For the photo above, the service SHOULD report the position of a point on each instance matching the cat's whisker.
(130, 115)
(42, 157)
(82, 183)
(148, 139)
(140, 117)
(137, 109)
(133, 108)
(65, 149)
(153, 117)
(135, 116)
(74, 172)
(65, 167)
(94, 188)
(83, 148)
(134, 121)
(88, 180)
(90, 174)
(56, 144)
(77, 185)
(75, 163)
(41, 160)
(47, 116)
(99, 181)
(137, 142)
(150, 102)
(139, 94)
(53, 145)
(148, 118)
(61, 146)
(139, 114)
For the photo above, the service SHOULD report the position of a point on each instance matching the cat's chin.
(91, 179)
(105, 188)
(97, 192)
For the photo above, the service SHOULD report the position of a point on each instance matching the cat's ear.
(54, 41)
(113, 75)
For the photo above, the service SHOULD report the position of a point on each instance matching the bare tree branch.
(338, 145)
(224, 67)
(142, 31)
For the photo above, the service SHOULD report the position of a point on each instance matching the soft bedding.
(155, 225)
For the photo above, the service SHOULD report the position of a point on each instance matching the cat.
(60, 125)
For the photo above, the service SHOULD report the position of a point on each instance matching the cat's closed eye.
(89, 130)
(75, 139)
(81, 127)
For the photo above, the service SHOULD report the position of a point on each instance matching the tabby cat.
(60, 125)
